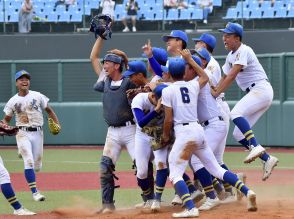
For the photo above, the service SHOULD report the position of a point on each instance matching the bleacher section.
(251, 9)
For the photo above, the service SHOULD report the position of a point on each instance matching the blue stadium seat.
(119, 8)
(185, 14)
(253, 5)
(281, 12)
(232, 13)
(13, 18)
(268, 13)
(158, 14)
(94, 4)
(64, 17)
(76, 17)
(60, 9)
(73, 8)
(256, 13)
(246, 13)
(52, 17)
(239, 5)
(291, 13)
(265, 5)
(171, 15)
(278, 4)
(197, 14)
(48, 9)
(149, 15)
(217, 3)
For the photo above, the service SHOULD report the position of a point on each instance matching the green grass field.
(77, 160)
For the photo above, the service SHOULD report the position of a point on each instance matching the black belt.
(30, 129)
(187, 123)
(206, 123)
(124, 124)
(249, 88)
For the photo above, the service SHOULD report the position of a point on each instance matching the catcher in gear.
(100, 26)
(27, 106)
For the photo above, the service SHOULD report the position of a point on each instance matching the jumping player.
(180, 103)
(243, 66)
(28, 106)
(117, 114)
(9, 194)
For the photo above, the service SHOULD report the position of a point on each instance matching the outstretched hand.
(186, 54)
(147, 49)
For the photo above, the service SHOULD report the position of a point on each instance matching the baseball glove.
(54, 128)
(100, 26)
(7, 130)
(155, 132)
(131, 93)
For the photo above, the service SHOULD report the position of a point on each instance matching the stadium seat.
(268, 13)
(149, 15)
(94, 4)
(291, 13)
(185, 14)
(13, 18)
(245, 14)
(253, 5)
(158, 14)
(171, 15)
(73, 8)
(197, 14)
(217, 3)
(232, 13)
(60, 9)
(52, 17)
(48, 9)
(281, 12)
(76, 17)
(239, 5)
(64, 17)
(256, 13)
(265, 5)
(278, 4)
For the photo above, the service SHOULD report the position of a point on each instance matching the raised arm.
(95, 56)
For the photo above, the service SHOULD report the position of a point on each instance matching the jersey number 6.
(185, 94)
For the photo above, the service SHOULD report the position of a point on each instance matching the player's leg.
(258, 100)
(205, 155)
(9, 194)
(160, 159)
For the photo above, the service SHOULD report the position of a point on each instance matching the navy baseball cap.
(176, 66)
(177, 34)
(204, 54)
(159, 54)
(22, 73)
(233, 28)
(113, 58)
(135, 67)
(206, 38)
(158, 90)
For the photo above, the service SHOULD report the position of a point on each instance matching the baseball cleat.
(268, 167)
(106, 209)
(209, 204)
(147, 206)
(177, 200)
(229, 198)
(251, 201)
(155, 205)
(242, 177)
(197, 196)
(23, 211)
(254, 153)
(38, 197)
(187, 213)
(140, 205)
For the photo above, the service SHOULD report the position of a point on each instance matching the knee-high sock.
(206, 181)
(227, 186)
(217, 185)
(189, 183)
(31, 179)
(9, 194)
(265, 156)
(245, 128)
(146, 188)
(161, 177)
(233, 180)
(182, 190)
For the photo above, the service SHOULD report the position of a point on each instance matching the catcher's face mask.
(113, 58)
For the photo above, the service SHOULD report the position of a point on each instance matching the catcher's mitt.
(54, 128)
(7, 129)
(100, 26)
(155, 132)
(131, 93)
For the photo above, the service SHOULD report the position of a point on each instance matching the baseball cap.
(164, 68)
(206, 38)
(233, 28)
(158, 90)
(176, 66)
(113, 58)
(204, 54)
(177, 34)
(159, 54)
(135, 67)
(197, 60)
(22, 73)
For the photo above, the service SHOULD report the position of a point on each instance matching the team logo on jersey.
(237, 56)
(210, 68)
(17, 107)
(34, 104)
(230, 64)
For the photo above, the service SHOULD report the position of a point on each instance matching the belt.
(221, 98)
(187, 123)
(30, 129)
(252, 85)
(128, 123)
(206, 123)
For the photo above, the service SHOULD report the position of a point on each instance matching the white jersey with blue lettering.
(252, 70)
(182, 96)
(213, 71)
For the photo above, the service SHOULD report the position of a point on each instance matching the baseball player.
(117, 114)
(28, 106)
(243, 66)
(180, 104)
(9, 194)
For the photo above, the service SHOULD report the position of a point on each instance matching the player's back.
(182, 96)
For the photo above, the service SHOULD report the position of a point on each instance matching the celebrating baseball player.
(180, 103)
(28, 106)
(116, 111)
(243, 66)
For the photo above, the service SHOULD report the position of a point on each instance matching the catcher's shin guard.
(107, 180)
